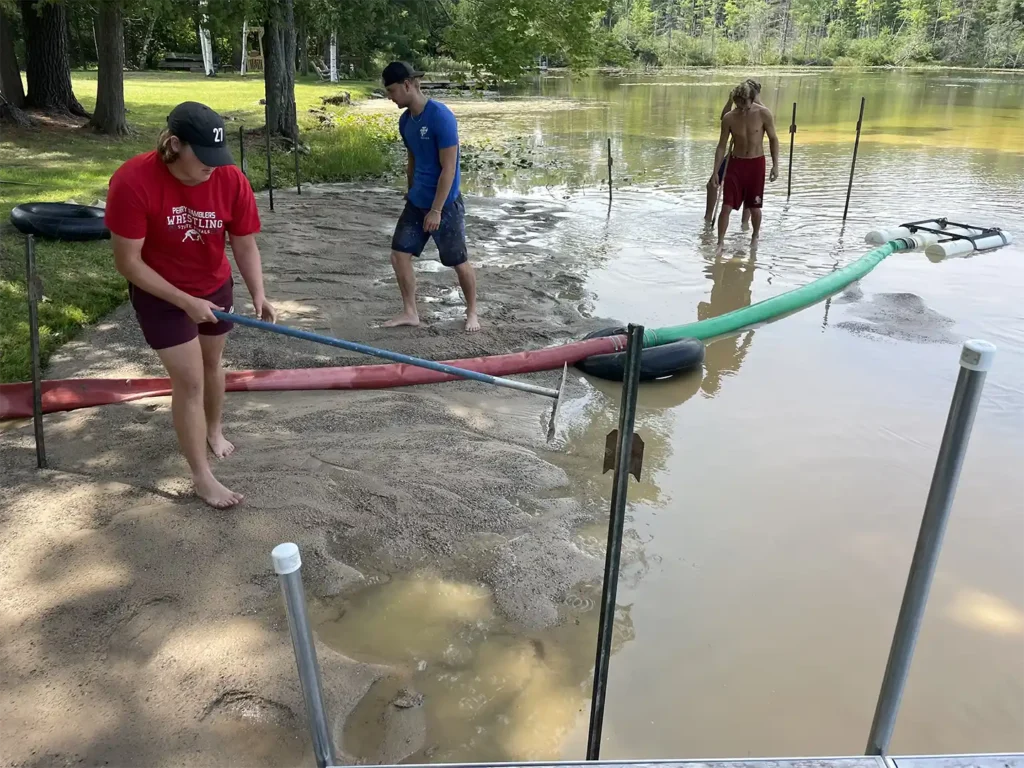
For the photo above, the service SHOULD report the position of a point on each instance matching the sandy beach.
(139, 627)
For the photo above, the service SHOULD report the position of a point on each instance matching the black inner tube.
(60, 221)
(655, 362)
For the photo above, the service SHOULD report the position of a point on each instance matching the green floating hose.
(777, 306)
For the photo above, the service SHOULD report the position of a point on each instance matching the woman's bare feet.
(220, 445)
(472, 322)
(406, 318)
(210, 490)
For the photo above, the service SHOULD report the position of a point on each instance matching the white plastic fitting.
(977, 355)
(286, 558)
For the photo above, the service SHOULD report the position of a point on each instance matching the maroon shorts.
(744, 182)
(165, 325)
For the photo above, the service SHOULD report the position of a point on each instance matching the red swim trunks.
(744, 182)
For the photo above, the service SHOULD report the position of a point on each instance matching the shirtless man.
(747, 123)
(709, 211)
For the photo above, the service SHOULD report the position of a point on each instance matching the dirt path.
(139, 627)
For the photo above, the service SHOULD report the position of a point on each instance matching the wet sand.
(140, 627)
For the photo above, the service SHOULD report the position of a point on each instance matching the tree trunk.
(10, 74)
(46, 59)
(144, 53)
(302, 47)
(109, 116)
(279, 69)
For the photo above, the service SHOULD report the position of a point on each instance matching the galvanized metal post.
(792, 136)
(853, 165)
(616, 523)
(287, 566)
(32, 289)
(270, 168)
(975, 360)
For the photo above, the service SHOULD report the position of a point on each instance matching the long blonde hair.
(163, 147)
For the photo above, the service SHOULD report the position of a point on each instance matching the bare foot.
(720, 249)
(745, 226)
(220, 445)
(213, 493)
(472, 322)
(406, 318)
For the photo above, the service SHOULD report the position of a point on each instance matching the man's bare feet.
(720, 249)
(210, 490)
(472, 322)
(406, 318)
(220, 445)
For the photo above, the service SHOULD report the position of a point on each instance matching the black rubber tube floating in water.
(60, 221)
(655, 363)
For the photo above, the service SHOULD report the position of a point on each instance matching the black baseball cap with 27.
(203, 130)
(399, 72)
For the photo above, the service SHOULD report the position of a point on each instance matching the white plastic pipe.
(921, 239)
(883, 236)
(962, 247)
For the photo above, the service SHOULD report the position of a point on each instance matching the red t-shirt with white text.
(184, 227)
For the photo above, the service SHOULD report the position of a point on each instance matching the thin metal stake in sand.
(397, 357)
(298, 176)
(270, 167)
(288, 567)
(624, 451)
(32, 286)
(241, 151)
(975, 362)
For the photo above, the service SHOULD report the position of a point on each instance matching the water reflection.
(731, 281)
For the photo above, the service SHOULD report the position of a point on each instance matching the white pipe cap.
(286, 558)
(977, 355)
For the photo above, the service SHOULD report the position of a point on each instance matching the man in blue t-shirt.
(433, 205)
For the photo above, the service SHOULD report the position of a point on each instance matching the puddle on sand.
(467, 686)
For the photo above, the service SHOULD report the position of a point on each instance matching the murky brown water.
(783, 489)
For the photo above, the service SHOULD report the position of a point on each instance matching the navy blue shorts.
(450, 237)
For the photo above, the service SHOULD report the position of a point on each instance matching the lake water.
(771, 534)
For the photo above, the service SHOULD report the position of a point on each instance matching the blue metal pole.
(397, 357)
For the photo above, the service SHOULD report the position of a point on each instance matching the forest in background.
(501, 37)
(493, 39)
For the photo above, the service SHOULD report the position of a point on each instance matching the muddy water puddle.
(783, 485)
(465, 683)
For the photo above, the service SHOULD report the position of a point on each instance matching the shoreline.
(143, 627)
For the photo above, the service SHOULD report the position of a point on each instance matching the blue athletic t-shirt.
(425, 135)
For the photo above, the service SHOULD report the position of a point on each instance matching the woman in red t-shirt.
(168, 212)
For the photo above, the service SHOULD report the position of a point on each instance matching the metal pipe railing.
(975, 361)
(617, 518)
(288, 567)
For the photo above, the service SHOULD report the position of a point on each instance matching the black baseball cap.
(399, 72)
(203, 130)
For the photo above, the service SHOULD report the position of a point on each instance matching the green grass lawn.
(80, 284)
